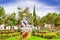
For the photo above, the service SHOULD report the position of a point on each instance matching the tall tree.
(2, 13)
(34, 17)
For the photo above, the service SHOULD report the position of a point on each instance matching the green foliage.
(12, 20)
(28, 15)
(19, 30)
(50, 35)
(34, 18)
(38, 38)
(51, 18)
(58, 33)
(5, 36)
(13, 38)
(34, 30)
(2, 13)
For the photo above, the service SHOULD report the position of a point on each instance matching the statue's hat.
(24, 14)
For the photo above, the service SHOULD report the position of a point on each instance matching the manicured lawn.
(32, 38)
(58, 38)
(38, 38)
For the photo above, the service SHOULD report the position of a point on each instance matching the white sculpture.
(26, 27)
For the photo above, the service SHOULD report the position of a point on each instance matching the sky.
(42, 6)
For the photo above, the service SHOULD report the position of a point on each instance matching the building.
(49, 25)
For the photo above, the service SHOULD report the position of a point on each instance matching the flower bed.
(4, 36)
(25, 35)
(48, 35)
(58, 33)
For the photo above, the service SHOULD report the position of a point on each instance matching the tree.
(2, 14)
(24, 11)
(11, 20)
(34, 17)
(39, 22)
(28, 15)
(4, 18)
(2, 11)
(57, 21)
(50, 18)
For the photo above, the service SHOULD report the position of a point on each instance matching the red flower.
(25, 35)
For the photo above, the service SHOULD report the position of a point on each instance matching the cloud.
(41, 8)
(51, 2)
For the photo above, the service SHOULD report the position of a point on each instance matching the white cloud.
(41, 9)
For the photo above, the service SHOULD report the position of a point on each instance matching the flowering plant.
(25, 34)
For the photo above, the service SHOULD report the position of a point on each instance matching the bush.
(35, 34)
(41, 34)
(34, 30)
(3, 36)
(19, 30)
(50, 35)
(11, 31)
(46, 35)
(58, 33)
(7, 32)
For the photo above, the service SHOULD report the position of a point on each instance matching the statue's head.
(24, 14)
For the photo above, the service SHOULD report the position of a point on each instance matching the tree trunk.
(10, 27)
(4, 27)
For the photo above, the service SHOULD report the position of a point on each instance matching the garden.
(25, 26)
(16, 35)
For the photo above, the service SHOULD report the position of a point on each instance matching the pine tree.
(34, 17)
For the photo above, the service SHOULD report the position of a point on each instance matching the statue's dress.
(26, 35)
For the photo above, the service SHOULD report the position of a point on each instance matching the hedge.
(4, 36)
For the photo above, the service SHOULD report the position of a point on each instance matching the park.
(28, 27)
(29, 20)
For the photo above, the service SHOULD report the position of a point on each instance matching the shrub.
(34, 30)
(50, 35)
(41, 34)
(3, 36)
(11, 31)
(58, 33)
(36, 33)
(19, 30)
(7, 32)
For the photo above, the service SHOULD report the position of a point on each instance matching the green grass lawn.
(32, 38)
(38, 38)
